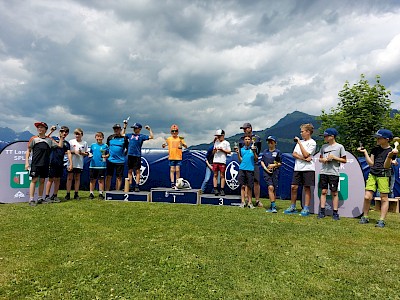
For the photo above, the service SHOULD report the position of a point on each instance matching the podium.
(168, 195)
(229, 200)
(130, 196)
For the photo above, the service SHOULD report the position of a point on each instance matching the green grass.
(118, 250)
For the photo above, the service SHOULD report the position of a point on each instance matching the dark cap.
(246, 125)
(117, 126)
(384, 133)
(271, 138)
(331, 131)
(137, 126)
(37, 124)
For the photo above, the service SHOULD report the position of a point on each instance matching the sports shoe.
(68, 197)
(290, 210)
(76, 197)
(56, 199)
(137, 189)
(335, 217)
(101, 196)
(304, 213)
(173, 186)
(380, 223)
(251, 206)
(321, 215)
(241, 205)
(32, 203)
(91, 196)
(364, 220)
(47, 200)
(39, 200)
(272, 209)
(216, 193)
(259, 204)
(222, 193)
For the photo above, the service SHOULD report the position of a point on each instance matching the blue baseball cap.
(384, 133)
(136, 126)
(271, 138)
(331, 131)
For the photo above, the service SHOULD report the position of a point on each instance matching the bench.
(393, 204)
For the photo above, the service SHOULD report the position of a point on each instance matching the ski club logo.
(19, 195)
(231, 174)
(144, 171)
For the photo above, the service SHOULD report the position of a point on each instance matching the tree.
(362, 110)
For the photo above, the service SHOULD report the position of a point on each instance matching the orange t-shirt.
(174, 153)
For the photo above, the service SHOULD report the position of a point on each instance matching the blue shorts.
(175, 163)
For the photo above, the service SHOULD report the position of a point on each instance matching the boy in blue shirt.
(136, 140)
(98, 164)
(270, 162)
(247, 157)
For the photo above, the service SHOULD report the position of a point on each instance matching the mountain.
(7, 135)
(285, 130)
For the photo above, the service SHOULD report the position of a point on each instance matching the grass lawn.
(91, 249)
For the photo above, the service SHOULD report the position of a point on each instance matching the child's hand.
(164, 145)
(361, 149)
(27, 166)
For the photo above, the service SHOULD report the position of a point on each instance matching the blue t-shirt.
(117, 146)
(269, 157)
(247, 163)
(135, 143)
(97, 161)
(57, 154)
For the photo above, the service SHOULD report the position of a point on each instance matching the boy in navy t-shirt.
(136, 140)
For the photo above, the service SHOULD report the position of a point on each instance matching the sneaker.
(222, 193)
(321, 215)
(251, 206)
(56, 199)
(216, 193)
(67, 197)
(76, 197)
(101, 196)
(241, 205)
(173, 186)
(304, 213)
(272, 209)
(47, 200)
(290, 210)
(137, 189)
(32, 203)
(335, 217)
(259, 204)
(364, 220)
(39, 200)
(380, 223)
(91, 196)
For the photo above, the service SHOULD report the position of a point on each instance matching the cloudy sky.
(201, 64)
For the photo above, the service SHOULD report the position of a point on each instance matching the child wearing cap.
(221, 149)
(304, 169)
(380, 162)
(97, 167)
(136, 140)
(175, 144)
(248, 157)
(40, 147)
(57, 165)
(270, 162)
(332, 154)
(79, 149)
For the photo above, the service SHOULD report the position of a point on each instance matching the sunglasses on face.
(174, 130)
(77, 133)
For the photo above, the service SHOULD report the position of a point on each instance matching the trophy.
(235, 147)
(102, 154)
(396, 143)
(147, 127)
(127, 120)
(361, 145)
(180, 142)
(253, 145)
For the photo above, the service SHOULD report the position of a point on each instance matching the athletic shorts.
(39, 171)
(271, 179)
(304, 178)
(118, 168)
(76, 171)
(56, 171)
(219, 167)
(331, 181)
(374, 182)
(175, 163)
(256, 173)
(134, 162)
(96, 173)
(246, 178)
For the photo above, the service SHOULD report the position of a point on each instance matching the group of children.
(48, 161)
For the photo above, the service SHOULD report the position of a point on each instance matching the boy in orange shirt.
(175, 144)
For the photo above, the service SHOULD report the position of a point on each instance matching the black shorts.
(76, 171)
(272, 179)
(246, 178)
(97, 173)
(304, 178)
(56, 171)
(331, 181)
(256, 173)
(134, 162)
(111, 167)
(39, 171)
